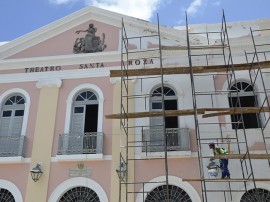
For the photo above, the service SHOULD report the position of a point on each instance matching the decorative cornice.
(67, 74)
(61, 60)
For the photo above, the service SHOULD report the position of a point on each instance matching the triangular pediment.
(59, 37)
(75, 40)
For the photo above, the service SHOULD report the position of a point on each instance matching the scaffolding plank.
(186, 112)
(231, 179)
(193, 47)
(155, 114)
(242, 156)
(235, 110)
(185, 70)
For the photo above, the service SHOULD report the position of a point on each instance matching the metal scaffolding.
(128, 142)
(224, 188)
(209, 60)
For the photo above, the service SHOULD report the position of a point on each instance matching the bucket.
(213, 173)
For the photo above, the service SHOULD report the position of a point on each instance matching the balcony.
(177, 139)
(85, 143)
(12, 146)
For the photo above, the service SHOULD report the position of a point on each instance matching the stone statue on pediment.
(90, 43)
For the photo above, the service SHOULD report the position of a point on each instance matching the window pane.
(20, 100)
(8, 102)
(78, 109)
(157, 105)
(6, 113)
(19, 112)
(12, 99)
(83, 94)
(93, 97)
(79, 98)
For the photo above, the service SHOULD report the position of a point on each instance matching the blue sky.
(19, 17)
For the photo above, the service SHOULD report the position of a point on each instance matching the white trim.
(171, 154)
(75, 182)
(15, 159)
(80, 157)
(9, 92)
(12, 188)
(250, 186)
(84, 157)
(65, 74)
(62, 60)
(176, 181)
(70, 101)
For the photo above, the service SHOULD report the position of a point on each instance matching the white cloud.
(143, 9)
(194, 7)
(217, 3)
(58, 2)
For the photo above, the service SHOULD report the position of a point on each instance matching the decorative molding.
(66, 74)
(171, 154)
(52, 82)
(16, 159)
(60, 60)
(114, 80)
(81, 157)
(90, 43)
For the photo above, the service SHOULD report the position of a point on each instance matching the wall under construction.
(217, 90)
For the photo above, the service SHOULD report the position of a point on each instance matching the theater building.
(63, 126)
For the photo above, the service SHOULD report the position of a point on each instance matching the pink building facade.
(55, 92)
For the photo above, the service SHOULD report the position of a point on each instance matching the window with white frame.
(85, 112)
(6, 196)
(153, 138)
(176, 194)
(84, 137)
(243, 94)
(12, 114)
(80, 194)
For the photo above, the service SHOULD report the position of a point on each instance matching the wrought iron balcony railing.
(84, 143)
(177, 140)
(11, 146)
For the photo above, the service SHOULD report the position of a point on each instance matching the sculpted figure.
(91, 43)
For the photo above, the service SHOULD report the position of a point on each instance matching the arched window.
(84, 137)
(254, 195)
(242, 94)
(176, 194)
(11, 122)
(85, 112)
(154, 137)
(12, 116)
(170, 103)
(80, 194)
(6, 196)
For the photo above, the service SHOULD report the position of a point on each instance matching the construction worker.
(223, 162)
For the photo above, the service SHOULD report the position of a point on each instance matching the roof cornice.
(61, 60)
